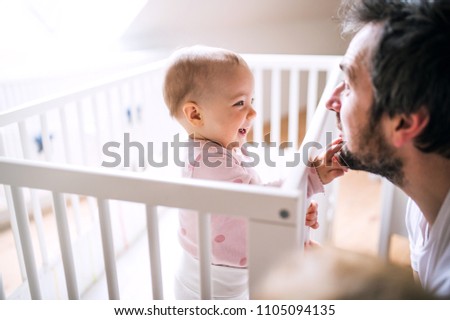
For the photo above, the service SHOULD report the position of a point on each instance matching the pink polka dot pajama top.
(208, 160)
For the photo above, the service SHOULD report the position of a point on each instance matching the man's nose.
(334, 102)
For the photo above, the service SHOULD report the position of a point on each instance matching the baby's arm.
(327, 165)
(312, 221)
(311, 215)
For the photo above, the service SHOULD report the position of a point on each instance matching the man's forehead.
(361, 48)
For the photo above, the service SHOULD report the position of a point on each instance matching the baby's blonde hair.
(337, 274)
(191, 72)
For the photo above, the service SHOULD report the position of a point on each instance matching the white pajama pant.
(227, 283)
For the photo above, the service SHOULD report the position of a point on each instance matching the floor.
(357, 223)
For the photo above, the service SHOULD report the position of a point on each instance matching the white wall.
(246, 26)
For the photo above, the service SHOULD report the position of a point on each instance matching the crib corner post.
(267, 237)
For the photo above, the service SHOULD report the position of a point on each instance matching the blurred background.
(81, 39)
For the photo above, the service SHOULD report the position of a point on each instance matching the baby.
(209, 91)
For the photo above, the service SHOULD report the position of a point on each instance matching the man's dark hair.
(411, 63)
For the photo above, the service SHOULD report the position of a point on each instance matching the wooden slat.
(204, 247)
(258, 124)
(312, 96)
(275, 107)
(108, 249)
(294, 106)
(65, 244)
(25, 240)
(154, 252)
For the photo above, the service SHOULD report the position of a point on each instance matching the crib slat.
(12, 214)
(82, 140)
(258, 127)
(121, 98)
(37, 214)
(65, 135)
(155, 255)
(25, 239)
(2, 290)
(65, 245)
(45, 137)
(275, 107)
(83, 148)
(204, 240)
(145, 98)
(24, 141)
(75, 201)
(125, 100)
(294, 104)
(134, 105)
(112, 126)
(312, 96)
(96, 110)
(108, 249)
(15, 231)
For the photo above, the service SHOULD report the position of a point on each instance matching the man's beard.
(375, 155)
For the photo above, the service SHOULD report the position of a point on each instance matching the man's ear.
(192, 113)
(409, 126)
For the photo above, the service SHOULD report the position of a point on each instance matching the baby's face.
(228, 112)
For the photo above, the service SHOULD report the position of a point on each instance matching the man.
(393, 109)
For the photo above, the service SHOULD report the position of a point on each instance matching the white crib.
(51, 164)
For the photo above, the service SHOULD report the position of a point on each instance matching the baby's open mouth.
(242, 131)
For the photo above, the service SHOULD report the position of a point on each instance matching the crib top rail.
(135, 187)
(44, 104)
(261, 61)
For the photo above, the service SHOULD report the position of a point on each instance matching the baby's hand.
(311, 216)
(327, 164)
(311, 244)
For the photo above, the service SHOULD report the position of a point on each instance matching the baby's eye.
(239, 103)
(252, 101)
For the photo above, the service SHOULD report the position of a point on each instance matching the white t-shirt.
(430, 247)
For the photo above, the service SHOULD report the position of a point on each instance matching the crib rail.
(273, 205)
(43, 105)
(73, 126)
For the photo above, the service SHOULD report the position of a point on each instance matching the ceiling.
(198, 15)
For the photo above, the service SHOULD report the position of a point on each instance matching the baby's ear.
(192, 113)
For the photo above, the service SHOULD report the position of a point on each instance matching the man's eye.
(238, 104)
